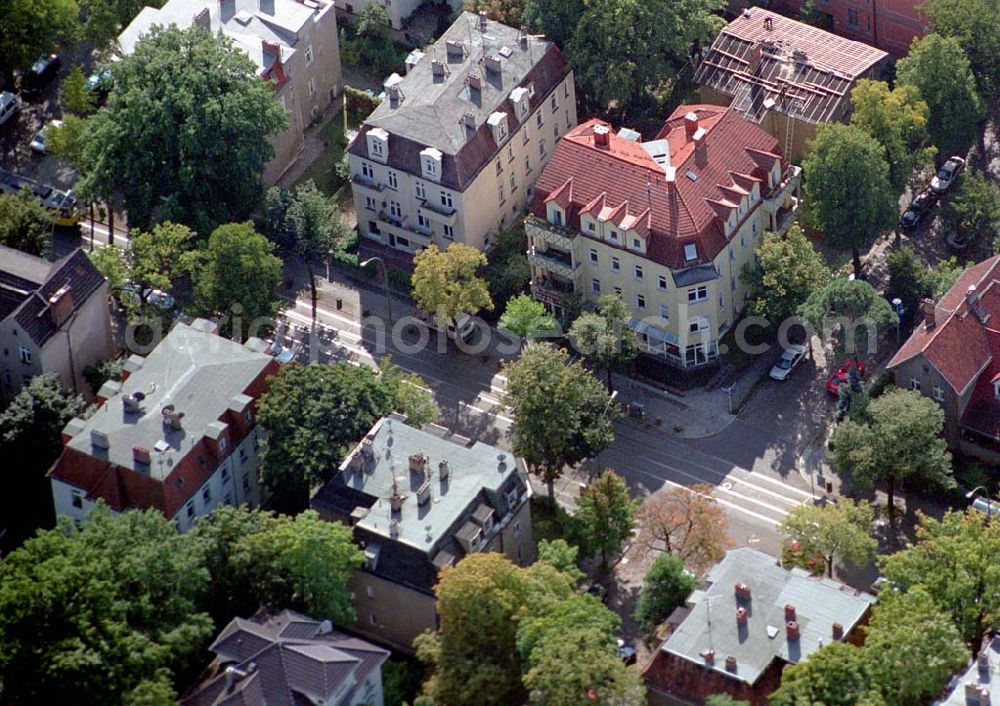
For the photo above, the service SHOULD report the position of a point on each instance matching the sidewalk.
(697, 415)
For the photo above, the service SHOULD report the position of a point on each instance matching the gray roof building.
(419, 502)
(974, 687)
(751, 618)
(289, 659)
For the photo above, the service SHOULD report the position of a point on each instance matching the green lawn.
(323, 170)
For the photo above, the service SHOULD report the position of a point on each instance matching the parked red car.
(842, 376)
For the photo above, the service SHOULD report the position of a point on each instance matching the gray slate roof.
(285, 659)
(27, 282)
(983, 673)
(431, 111)
(712, 624)
(198, 372)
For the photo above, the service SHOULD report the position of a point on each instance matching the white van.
(9, 104)
(460, 327)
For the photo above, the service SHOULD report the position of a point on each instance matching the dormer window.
(378, 145)
(498, 126)
(690, 252)
(430, 164)
(612, 234)
(556, 216)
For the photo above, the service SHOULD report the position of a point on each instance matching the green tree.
(562, 413)
(938, 68)
(157, 691)
(686, 521)
(837, 674)
(851, 312)
(562, 556)
(578, 665)
(847, 188)
(446, 283)
(974, 209)
(107, 18)
(74, 94)
(507, 273)
(907, 631)
(374, 24)
(473, 657)
(725, 699)
(973, 24)
(605, 516)
(68, 142)
(839, 531)
(666, 587)
(25, 224)
(312, 413)
(97, 610)
(811, 14)
(620, 54)
(604, 338)
(30, 442)
(157, 257)
(852, 398)
(900, 444)
(508, 12)
(238, 267)
(556, 19)
(307, 562)
(580, 611)
(789, 269)
(411, 394)
(908, 280)
(956, 560)
(31, 28)
(183, 135)
(897, 119)
(527, 318)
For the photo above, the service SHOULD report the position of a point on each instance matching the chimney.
(325, 628)
(469, 120)
(418, 463)
(454, 49)
(670, 179)
(474, 81)
(602, 135)
(172, 417)
(395, 95)
(792, 628)
(438, 68)
(395, 502)
(357, 462)
(983, 662)
(838, 631)
(742, 590)
(971, 296)
(927, 309)
(482, 20)
(99, 439)
(140, 454)
(731, 664)
(709, 656)
(424, 493)
(202, 19)
(493, 64)
(741, 616)
(699, 136)
(768, 23)
(272, 47)
(976, 694)
(443, 470)
(61, 305)
(789, 612)
(393, 528)
(522, 36)
(690, 124)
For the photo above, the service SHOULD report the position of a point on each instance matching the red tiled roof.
(621, 181)
(959, 344)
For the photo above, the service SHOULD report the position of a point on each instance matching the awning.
(653, 333)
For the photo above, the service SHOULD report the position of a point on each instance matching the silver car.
(792, 356)
(40, 143)
(9, 104)
(945, 177)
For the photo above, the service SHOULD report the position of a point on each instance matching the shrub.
(666, 587)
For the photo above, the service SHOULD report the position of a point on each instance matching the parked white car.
(792, 356)
(945, 177)
(40, 143)
(156, 297)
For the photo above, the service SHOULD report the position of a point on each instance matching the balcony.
(438, 212)
(541, 231)
(386, 217)
(789, 185)
(425, 231)
(367, 182)
(551, 290)
(555, 261)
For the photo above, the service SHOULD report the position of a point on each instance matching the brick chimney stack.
(789, 612)
(792, 628)
(730, 664)
(927, 309)
(690, 124)
(741, 616)
(602, 136)
(742, 590)
(838, 631)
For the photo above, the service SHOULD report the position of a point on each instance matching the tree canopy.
(605, 516)
(897, 119)
(687, 522)
(847, 188)
(100, 610)
(901, 443)
(446, 283)
(851, 312)
(956, 561)
(837, 674)
(938, 68)
(788, 270)
(974, 210)
(25, 224)
(183, 135)
(840, 530)
(312, 413)
(562, 413)
(973, 24)
(556, 19)
(666, 587)
(31, 28)
(527, 318)
(237, 275)
(620, 53)
(604, 338)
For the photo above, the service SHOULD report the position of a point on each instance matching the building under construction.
(784, 75)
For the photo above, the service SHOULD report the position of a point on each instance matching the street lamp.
(385, 280)
(604, 412)
(897, 304)
(989, 507)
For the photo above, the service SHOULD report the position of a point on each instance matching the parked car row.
(925, 201)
